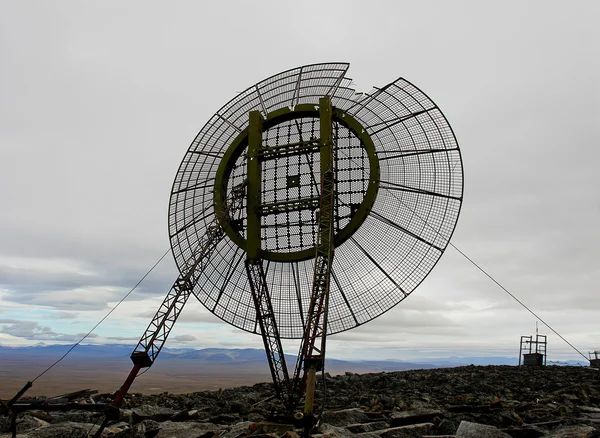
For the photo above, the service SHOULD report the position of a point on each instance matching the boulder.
(26, 423)
(240, 429)
(75, 416)
(367, 427)
(467, 429)
(63, 430)
(125, 415)
(276, 428)
(150, 412)
(526, 431)
(4, 424)
(344, 417)
(413, 416)
(255, 417)
(224, 418)
(118, 430)
(189, 415)
(147, 428)
(325, 430)
(189, 429)
(573, 432)
(410, 431)
(446, 427)
(42, 415)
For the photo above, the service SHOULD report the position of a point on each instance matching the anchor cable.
(517, 300)
(497, 283)
(487, 274)
(105, 316)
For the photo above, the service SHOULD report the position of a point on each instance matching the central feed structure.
(304, 209)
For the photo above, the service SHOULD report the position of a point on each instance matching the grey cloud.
(43, 286)
(184, 338)
(25, 329)
(65, 299)
(195, 316)
(122, 338)
(66, 315)
(147, 314)
(81, 335)
(33, 331)
(188, 315)
(254, 342)
(408, 328)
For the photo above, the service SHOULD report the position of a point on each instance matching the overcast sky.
(100, 100)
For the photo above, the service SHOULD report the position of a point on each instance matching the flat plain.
(171, 373)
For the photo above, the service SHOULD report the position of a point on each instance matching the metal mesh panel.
(298, 177)
(404, 235)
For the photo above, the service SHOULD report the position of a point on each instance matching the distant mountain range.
(104, 367)
(210, 355)
(231, 356)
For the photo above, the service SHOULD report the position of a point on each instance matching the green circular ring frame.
(237, 147)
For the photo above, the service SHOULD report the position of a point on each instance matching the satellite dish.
(399, 184)
(303, 209)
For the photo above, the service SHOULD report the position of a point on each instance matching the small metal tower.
(532, 351)
(594, 359)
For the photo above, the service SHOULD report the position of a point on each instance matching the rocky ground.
(493, 401)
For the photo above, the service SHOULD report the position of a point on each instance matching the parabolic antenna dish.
(398, 186)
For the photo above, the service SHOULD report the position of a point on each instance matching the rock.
(125, 415)
(255, 417)
(42, 415)
(239, 430)
(590, 418)
(521, 402)
(467, 429)
(224, 419)
(26, 423)
(525, 432)
(276, 428)
(325, 430)
(75, 417)
(147, 428)
(169, 429)
(119, 429)
(344, 417)
(150, 412)
(573, 432)
(413, 416)
(63, 430)
(446, 427)
(4, 424)
(367, 427)
(40, 423)
(410, 431)
(239, 407)
(188, 415)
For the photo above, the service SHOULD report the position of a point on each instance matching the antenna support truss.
(291, 170)
(312, 350)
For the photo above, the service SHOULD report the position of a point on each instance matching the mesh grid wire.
(402, 238)
(292, 231)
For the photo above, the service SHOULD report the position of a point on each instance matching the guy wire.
(105, 316)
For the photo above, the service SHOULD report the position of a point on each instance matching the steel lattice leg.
(270, 334)
(157, 332)
(312, 352)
